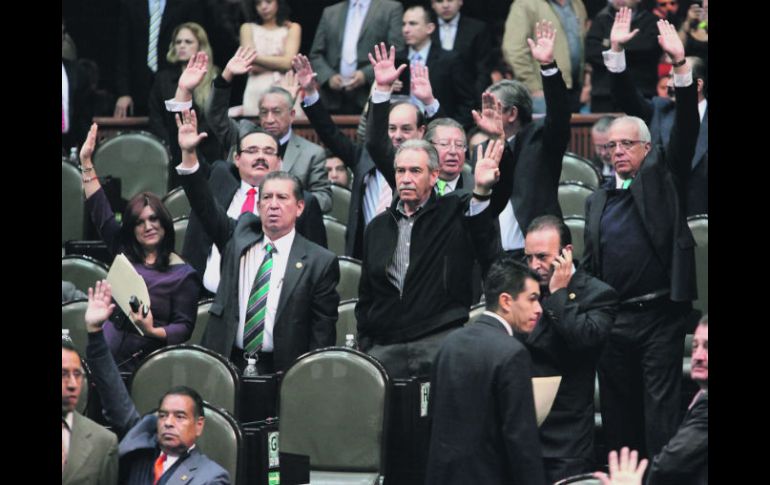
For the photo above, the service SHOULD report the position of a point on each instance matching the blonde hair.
(201, 93)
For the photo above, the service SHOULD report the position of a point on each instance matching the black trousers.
(640, 377)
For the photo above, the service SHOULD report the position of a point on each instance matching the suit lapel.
(702, 144)
(597, 207)
(291, 155)
(295, 266)
(370, 15)
(185, 472)
(342, 17)
(80, 448)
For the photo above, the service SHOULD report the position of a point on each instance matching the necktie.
(447, 43)
(158, 468)
(385, 198)
(350, 46)
(626, 183)
(152, 44)
(248, 204)
(441, 184)
(417, 58)
(253, 331)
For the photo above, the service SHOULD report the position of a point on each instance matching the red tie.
(159, 467)
(248, 205)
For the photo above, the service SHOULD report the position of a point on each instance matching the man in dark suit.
(345, 35)
(265, 265)
(89, 451)
(160, 447)
(468, 38)
(638, 242)
(451, 83)
(660, 114)
(371, 193)
(578, 312)
(482, 409)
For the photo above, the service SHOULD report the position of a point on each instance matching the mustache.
(406, 187)
(261, 163)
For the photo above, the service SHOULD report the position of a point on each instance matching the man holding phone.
(578, 312)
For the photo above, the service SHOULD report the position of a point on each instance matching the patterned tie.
(253, 331)
(158, 468)
(441, 184)
(248, 204)
(152, 44)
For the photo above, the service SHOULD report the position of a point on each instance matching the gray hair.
(514, 93)
(449, 122)
(602, 125)
(279, 90)
(420, 145)
(644, 132)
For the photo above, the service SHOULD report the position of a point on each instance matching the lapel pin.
(572, 296)
(183, 477)
(299, 265)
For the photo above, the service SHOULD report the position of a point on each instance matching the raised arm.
(622, 88)
(225, 128)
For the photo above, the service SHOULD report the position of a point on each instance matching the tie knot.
(162, 457)
(269, 248)
(441, 186)
(251, 191)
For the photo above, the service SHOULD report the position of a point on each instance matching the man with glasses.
(602, 159)
(638, 242)
(448, 136)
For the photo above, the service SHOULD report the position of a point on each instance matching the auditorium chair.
(340, 203)
(72, 204)
(335, 235)
(572, 198)
(575, 168)
(350, 275)
(346, 321)
(139, 159)
(82, 271)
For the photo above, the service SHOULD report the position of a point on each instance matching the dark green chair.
(346, 320)
(201, 322)
(177, 203)
(139, 159)
(575, 168)
(343, 431)
(206, 371)
(340, 203)
(222, 441)
(83, 271)
(350, 275)
(577, 227)
(73, 319)
(335, 235)
(699, 226)
(72, 204)
(572, 198)
(180, 228)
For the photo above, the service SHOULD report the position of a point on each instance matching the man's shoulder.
(471, 24)
(206, 468)
(305, 144)
(313, 250)
(97, 431)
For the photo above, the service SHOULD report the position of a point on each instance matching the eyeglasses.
(255, 150)
(666, 4)
(445, 144)
(625, 144)
(275, 112)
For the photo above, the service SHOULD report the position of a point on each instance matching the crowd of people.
(453, 200)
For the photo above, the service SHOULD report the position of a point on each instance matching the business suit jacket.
(302, 158)
(684, 459)
(307, 308)
(224, 181)
(660, 115)
(80, 105)
(482, 409)
(138, 434)
(381, 24)
(473, 45)
(567, 340)
(354, 156)
(451, 82)
(93, 454)
(658, 191)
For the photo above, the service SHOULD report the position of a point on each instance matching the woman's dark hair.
(281, 16)
(132, 248)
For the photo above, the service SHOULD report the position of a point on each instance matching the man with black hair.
(158, 448)
(482, 406)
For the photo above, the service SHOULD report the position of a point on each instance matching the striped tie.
(253, 331)
(441, 185)
(152, 44)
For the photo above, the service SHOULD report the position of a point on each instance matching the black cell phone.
(133, 302)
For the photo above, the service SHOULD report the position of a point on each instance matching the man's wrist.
(227, 75)
(482, 193)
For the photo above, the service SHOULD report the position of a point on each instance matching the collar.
(702, 108)
(171, 459)
(283, 244)
(423, 52)
(453, 23)
(245, 186)
(285, 138)
(400, 206)
(68, 420)
(501, 320)
(619, 181)
(451, 183)
(364, 3)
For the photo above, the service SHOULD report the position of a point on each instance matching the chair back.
(222, 441)
(350, 275)
(699, 226)
(139, 159)
(346, 320)
(577, 228)
(72, 203)
(344, 430)
(572, 198)
(180, 228)
(73, 318)
(82, 271)
(209, 373)
(335, 235)
(340, 203)
(575, 168)
(177, 203)
(201, 322)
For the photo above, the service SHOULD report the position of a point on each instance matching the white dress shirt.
(448, 32)
(501, 320)
(65, 98)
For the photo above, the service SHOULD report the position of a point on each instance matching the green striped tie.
(152, 44)
(254, 329)
(441, 187)
(626, 184)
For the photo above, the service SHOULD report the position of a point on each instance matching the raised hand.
(487, 171)
(194, 73)
(542, 47)
(87, 150)
(491, 118)
(187, 125)
(240, 63)
(670, 41)
(621, 31)
(99, 307)
(626, 472)
(562, 273)
(304, 72)
(420, 84)
(384, 64)
(288, 82)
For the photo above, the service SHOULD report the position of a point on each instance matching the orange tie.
(159, 467)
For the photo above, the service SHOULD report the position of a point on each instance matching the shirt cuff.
(380, 96)
(432, 109)
(476, 207)
(683, 80)
(176, 106)
(187, 171)
(549, 72)
(311, 99)
(615, 61)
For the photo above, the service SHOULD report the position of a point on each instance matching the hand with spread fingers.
(491, 118)
(304, 73)
(188, 136)
(669, 41)
(384, 64)
(420, 84)
(624, 472)
(562, 271)
(542, 46)
(621, 31)
(487, 171)
(99, 307)
(290, 83)
(194, 73)
(240, 63)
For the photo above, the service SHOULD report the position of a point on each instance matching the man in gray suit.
(345, 36)
(89, 451)
(158, 448)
